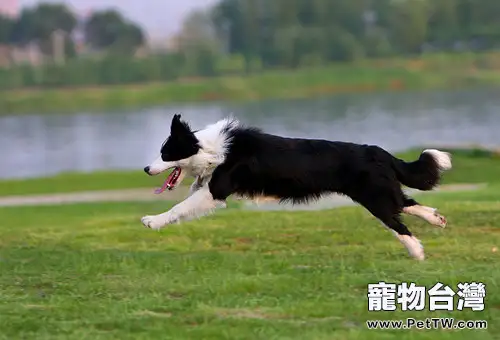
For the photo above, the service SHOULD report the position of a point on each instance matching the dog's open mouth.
(171, 181)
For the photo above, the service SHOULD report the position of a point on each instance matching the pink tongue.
(167, 184)
(163, 187)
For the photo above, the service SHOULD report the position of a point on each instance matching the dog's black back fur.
(298, 170)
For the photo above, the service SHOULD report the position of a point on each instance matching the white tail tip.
(443, 159)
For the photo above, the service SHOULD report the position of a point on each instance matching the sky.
(160, 18)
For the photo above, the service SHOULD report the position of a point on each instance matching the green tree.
(23, 31)
(229, 21)
(409, 25)
(284, 32)
(199, 44)
(108, 30)
(483, 20)
(6, 26)
(130, 37)
(443, 21)
(252, 32)
(40, 23)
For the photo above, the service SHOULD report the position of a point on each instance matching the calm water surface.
(45, 144)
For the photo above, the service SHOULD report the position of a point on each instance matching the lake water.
(45, 144)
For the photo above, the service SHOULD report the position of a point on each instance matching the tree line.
(102, 30)
(247, 35)
(293, 32)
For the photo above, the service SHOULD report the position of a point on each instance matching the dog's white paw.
(429, 214)
(440, 220)
(413, 245)
(221, 204)
(436, 219)
(417, 252)
(154, 222)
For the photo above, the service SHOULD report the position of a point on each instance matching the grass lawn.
(91, 271)
(75, 182)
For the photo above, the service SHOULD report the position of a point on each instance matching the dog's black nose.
(146, 170)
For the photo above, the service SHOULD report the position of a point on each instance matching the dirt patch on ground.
(263, 314)
(94, 196)
(180, 193)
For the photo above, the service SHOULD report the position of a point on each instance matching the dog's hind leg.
(412, 244)
(384, 205)
(411, 207)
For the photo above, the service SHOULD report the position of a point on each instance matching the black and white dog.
(227, 159)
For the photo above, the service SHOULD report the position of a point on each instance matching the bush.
(343, 46)
(231, 64)
(377, 46)
(108, 70)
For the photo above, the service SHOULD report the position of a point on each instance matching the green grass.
(470, 166)
(71, 182)
(75, 182)
(428, 72)
(91, 271)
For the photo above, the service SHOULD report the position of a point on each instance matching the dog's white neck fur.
(214, 142)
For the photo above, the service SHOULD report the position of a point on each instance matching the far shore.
(431, 73)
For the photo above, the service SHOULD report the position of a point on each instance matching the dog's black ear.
(175, 120)
(179, 126)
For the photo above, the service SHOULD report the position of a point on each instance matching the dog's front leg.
(197, 185)
(200, 203)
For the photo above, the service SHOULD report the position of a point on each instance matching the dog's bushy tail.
(424, 173)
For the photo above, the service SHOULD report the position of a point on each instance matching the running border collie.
(227, 158)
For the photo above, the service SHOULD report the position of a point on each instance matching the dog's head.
(176, 153)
